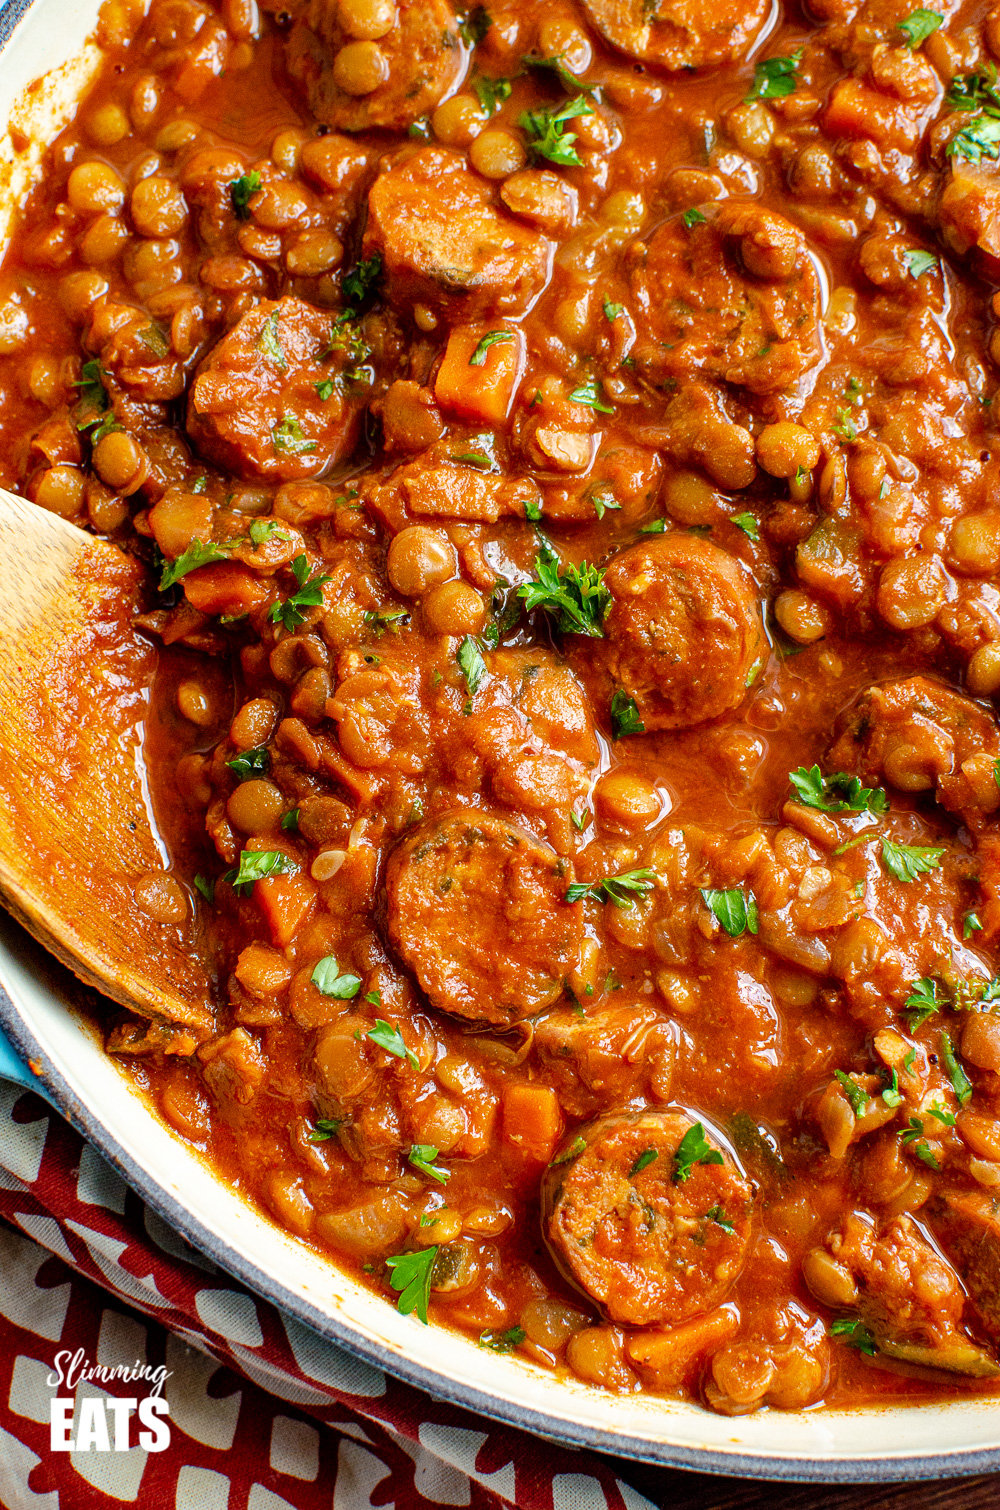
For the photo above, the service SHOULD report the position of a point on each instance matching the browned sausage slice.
(735, 298)
(410, 67)
(684, 631)
(256, 405)
(919, 735)
(443, 242)
(968, 1224)
(646, 1242)
(476, 909)
(680, 33)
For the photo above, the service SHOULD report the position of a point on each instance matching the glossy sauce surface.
(571, 482)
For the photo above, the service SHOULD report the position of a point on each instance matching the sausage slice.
(443, 242)
(735, 298)
(476, 909)
(409, 67)
(646, 1243)
(679, 33)
(684, 631)
(256, 407)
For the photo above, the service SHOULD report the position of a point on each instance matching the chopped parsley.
(852, 1090)
(612, 311)
(197, 554)
(391, 1039)
(604, 503)
(249, 763)
(970, 925)
(287, 436)
(693, 217)
(748, 524)
(979, 139)
(324, 1128)
(912, 1137)
(503, 1342)
(422, 1157)
(891, 1094)
(328, 980)
(717, 1215)
(975, 91)
(478, 357)
(574, 596)
(155, 338)
(907, 861)
(591, 396)
(625, 718)
(547, 134)
(919, 25)
(269, 342)
(205, 888)
(290, 820)
(474, 25)
(960, 1082)
(647, 1157)
(471, 664)
(855, 1334)
(379, 620)
(475, 459)
(410, 1275)
(491, 93)
(923, 1001)
(325, 388)
(620, 890)
(919, 262)
(241, 191)
(694, 1148)
(291, 612)
(574, 1151)
(556, 65)
(837, 793)
(358, 284)
(262, 530)
(735, 910)
(257, 865)
(775, 77)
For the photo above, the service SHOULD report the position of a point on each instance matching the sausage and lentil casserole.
(563, 439)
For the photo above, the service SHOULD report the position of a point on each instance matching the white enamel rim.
(41, 1013)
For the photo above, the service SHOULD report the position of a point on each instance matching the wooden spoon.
(82, 865)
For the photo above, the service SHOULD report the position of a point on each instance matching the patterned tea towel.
(260, 1412)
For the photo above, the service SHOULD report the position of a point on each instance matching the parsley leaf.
(625, 715)
(250, 763)
(975, 91)
(474, 25)
(327, 979)
(257, 865)
(694, 1148)
(979, 139)
(575, 596)
(471, 664)
(478, 357)
(923, 1001)
(197, 554)
(620, 890)
(287, 436)
(852, 1090)
(391, 1039)
(837, 793)
(262, 530)
(907, 861)
(693, 217)
(748, 524)
(912, 1137)
(503, 1342)
(205, 888)
(422, 1156)
(970, 925)
(410, 1274)
(241, 191)
(855, 1334)
(547, 135)
(269, 342)
(291, 611)
(775, 77)
(717, 1215)
(919, 25)
(891, 1095)
(612, 311)
(960, 1082)
(475, 459)
(574, 1151)
(735, 910)
(491, 92)
(591, 396)
(604, 503)
(647, 1157)
(556, 65)
(919, 262)
(323, 1128)
(360, 282)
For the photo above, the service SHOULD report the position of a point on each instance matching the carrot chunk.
(480, 371)
(223, 588)
(532, 1120)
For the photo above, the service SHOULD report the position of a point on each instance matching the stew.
(563, 439)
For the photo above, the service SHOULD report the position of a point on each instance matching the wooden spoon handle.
(79, 849)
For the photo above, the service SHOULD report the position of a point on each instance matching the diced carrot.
(532, 1120)
(223, 588)
(669, 1355)
(855, 109)
(286, 902)
(480, 371)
